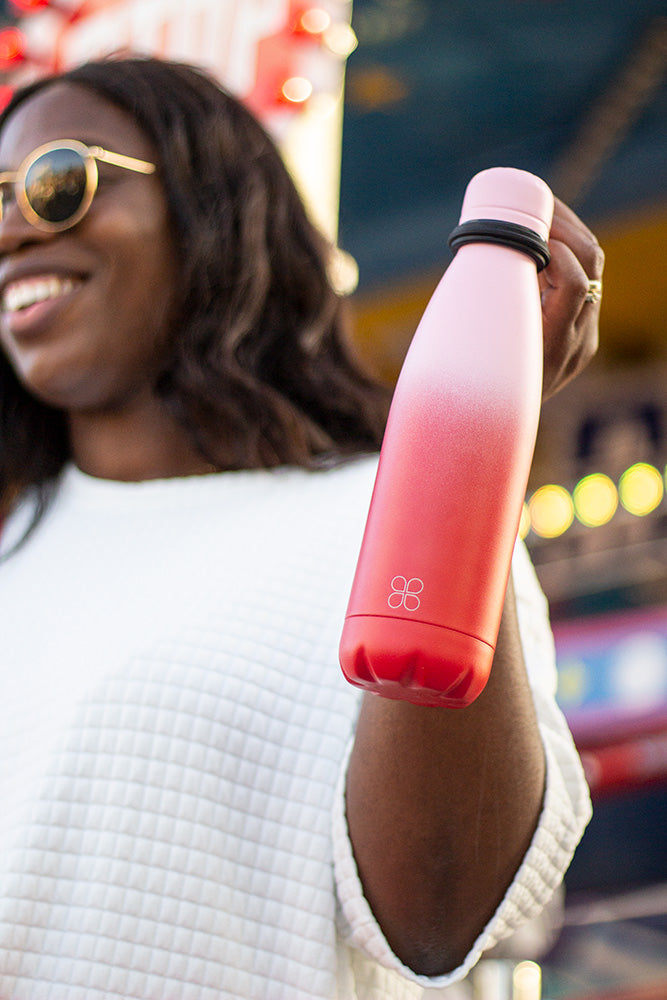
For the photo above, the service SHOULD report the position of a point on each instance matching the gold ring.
(594, 292)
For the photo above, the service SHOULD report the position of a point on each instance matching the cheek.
(144, 276)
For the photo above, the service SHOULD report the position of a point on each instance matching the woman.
(195, 803)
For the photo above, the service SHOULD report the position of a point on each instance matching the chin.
(60, 393)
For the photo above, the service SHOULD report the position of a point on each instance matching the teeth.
(22, 294)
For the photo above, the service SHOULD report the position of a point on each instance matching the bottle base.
(414, 661)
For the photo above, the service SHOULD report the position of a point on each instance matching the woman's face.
(97, 340)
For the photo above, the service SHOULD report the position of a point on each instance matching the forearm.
(442, 805)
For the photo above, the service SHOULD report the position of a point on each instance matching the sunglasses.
(55, 185)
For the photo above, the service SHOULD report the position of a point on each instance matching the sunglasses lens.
(55, 185)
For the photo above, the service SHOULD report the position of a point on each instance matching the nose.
(15, 230)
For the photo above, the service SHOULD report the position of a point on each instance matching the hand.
(570, 322)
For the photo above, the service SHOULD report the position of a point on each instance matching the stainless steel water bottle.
(427, 597)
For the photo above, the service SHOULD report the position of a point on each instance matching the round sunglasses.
(56, 183)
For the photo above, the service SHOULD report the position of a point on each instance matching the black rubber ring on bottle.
(508, 234)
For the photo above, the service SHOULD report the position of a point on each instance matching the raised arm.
(441, 803)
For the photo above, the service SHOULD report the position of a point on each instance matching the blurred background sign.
(284, 58)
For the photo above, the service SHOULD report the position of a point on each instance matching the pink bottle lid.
(509, 195)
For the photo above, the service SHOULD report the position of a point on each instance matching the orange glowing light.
(12, 48)
(28, 6)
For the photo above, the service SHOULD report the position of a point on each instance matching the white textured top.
(174, 728)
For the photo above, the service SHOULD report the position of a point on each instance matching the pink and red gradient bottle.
(425, 607)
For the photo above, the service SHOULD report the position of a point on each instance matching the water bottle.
(428, 592)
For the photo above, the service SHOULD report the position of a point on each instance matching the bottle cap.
(509, 195)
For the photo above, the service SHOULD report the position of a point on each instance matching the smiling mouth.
(27, 292)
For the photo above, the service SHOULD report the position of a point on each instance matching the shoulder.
(345, 489)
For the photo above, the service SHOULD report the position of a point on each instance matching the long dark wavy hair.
(260, 353)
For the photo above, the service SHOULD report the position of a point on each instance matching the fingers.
(564, 283)
(568, 228)
(570, 318)
(569, 341)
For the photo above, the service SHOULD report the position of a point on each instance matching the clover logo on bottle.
(404, 593)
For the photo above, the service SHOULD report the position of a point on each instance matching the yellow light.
(551, 511)
(641, 488)
(343, 271)
(595, 500)
(315, 21)
(524, 523)
(527, 981)
(297, 89)
(573, 682)
(340, 39)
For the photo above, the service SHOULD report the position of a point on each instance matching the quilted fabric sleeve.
(565, 813)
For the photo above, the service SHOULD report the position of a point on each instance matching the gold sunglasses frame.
(89, 155)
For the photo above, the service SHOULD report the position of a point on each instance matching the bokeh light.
(573, 682)
(29, 6)
(314, 21)
(595, 499)
(526, 981)
(297, 89)
(637, 675)
(340, 39)
(551, 511)
(641, 488)
(12, 48)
